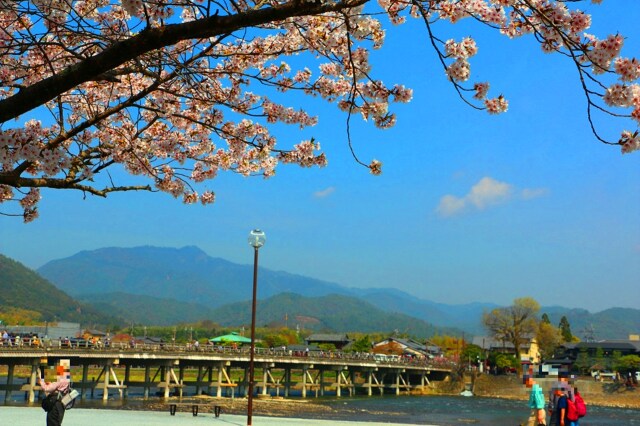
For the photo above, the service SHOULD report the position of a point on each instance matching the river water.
(434, 410)
(459, 410)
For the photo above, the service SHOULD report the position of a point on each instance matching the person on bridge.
(56, 414)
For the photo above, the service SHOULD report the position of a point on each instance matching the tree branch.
(149, 40)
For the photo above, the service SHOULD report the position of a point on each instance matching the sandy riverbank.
(607, 394)
(508, 387)
(270, 407)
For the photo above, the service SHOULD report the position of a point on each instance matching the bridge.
(218, 371)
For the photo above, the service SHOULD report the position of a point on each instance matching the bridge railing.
(226, 351)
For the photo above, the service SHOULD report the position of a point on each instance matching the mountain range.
(163, 286)
(189, 275)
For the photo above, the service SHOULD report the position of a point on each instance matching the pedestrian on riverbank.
(559, 410)
(537, 404)
(581, 409)
(60, 386)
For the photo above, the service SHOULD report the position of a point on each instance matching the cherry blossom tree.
(178, 91)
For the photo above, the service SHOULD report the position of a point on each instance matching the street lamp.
(256, 240)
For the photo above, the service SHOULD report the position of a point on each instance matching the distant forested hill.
(331, 313)
(24, 293)
(612, 323)
(147, 310)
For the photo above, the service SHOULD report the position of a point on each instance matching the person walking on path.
(559, 413)
(537, 404)
(56, 414)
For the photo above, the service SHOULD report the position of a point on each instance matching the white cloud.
(529, 193)
(450, 205)
(487, 192)
(325, 192)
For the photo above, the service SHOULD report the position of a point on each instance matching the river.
(438, 410)
(458, 410)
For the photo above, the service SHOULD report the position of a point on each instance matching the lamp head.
(257, 238)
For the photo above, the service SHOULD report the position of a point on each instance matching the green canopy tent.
(231, 338)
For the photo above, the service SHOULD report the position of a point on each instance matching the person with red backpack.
(580, 408)
(576, 408)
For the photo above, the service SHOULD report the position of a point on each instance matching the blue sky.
(469, 208)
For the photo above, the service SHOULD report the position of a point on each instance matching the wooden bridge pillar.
(287, 381)
(105, 393)
(424, 379)
(199, 378)
(85, 381)
(219, 389)
(352, 381)
(127, 376)
(35, 369)
(209, 378)
(107, 371)
(147, 377)
(10, 370)
(246, 381)
(304, 382)
(265, 379)
(168, 374)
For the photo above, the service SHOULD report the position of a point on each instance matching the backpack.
(68, 398)
(572, 411)
(581, 407)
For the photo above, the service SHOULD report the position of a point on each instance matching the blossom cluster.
(481, 90)
(627, 69)
(465, 49)
(305, 155)
(630, 142)
(496, 105)
(460, 69)
(603, 52)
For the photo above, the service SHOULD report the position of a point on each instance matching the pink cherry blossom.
(628, 69)
(375, 167)
(496, 105)
(630, 142)
(208, 90)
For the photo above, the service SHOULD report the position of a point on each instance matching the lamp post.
(256, 240)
